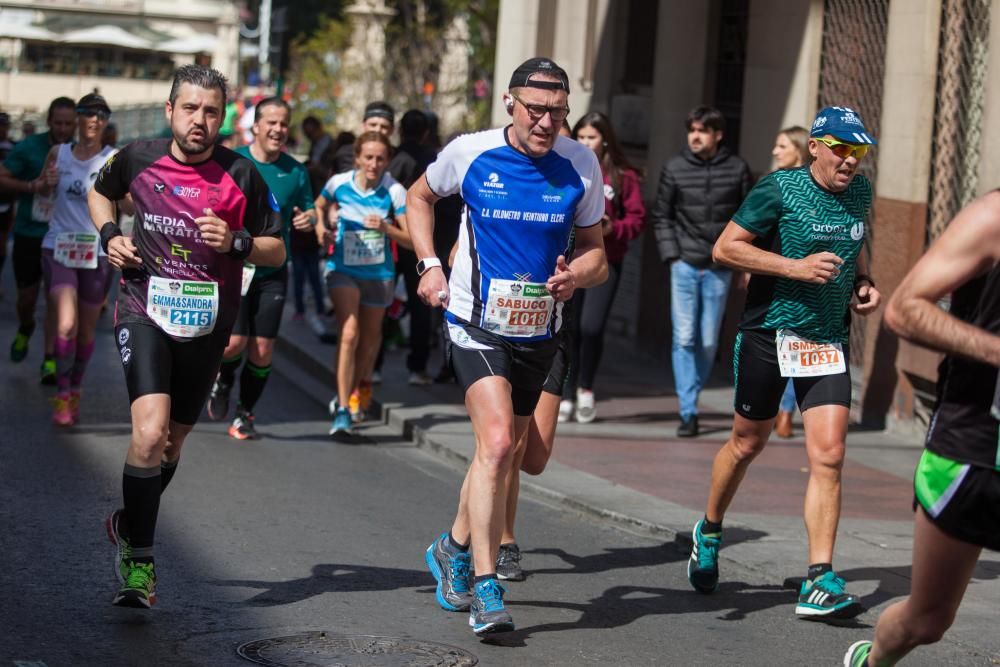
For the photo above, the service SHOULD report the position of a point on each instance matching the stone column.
(989, 165)
(900, 222)
(452, 100)
(225, 58)
(363, 72)
(782, 75)
(517, 32)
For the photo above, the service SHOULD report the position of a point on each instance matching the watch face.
(241, 243)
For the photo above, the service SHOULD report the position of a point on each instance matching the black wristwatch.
(242, 245)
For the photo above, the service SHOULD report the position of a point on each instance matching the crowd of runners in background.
(518, 236)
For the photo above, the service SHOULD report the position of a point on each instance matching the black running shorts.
(759, 383)
(556, 377)
(476, 353)
(155, 363)
(961, 499)
(262, 307)
(27, 260)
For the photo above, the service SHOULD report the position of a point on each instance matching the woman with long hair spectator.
(624, 217)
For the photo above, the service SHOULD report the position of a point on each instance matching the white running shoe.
(566, 407)
(420, 379)
(316, 324)
(585, 411)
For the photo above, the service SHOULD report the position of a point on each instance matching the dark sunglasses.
(100, 113)
(536, 111)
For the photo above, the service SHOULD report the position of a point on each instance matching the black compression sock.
(252, 381)
(454, 544)
(26, 329)
(710, 527)
(818, 570)
(227, 371)
(141, 491)
(479, 579)
(167, 470)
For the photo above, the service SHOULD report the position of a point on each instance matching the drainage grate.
(321, 649)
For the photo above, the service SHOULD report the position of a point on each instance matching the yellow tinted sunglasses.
(844, 150)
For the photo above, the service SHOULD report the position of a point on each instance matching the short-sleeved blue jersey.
(359, 252)
(518, 216)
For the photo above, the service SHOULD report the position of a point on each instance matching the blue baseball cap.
(843, 123)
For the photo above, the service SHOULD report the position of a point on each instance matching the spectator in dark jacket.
(699, 191)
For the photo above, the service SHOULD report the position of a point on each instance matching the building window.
(95, 61)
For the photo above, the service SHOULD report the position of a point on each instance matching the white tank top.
(76, 178)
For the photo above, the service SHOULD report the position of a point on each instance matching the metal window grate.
(961, 80)
(852, 71)
(852, 66)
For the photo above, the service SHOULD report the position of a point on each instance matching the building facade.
(126, 49)
(916, 70)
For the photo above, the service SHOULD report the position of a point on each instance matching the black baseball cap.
(380, 110)
(521, 78)
(93, 101)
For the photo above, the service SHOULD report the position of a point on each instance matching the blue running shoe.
(451, 571)
(341, 422)
(487, 613)
(703, 565)
(825, 597)
(857, 655)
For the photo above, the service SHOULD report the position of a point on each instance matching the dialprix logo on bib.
(530, 290)
(198, 290)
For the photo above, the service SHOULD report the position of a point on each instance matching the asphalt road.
(295, 533)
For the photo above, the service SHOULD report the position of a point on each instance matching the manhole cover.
(322, 649)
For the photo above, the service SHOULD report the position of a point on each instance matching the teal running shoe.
(703, 565)
(825, 597)
(487, 613)
(342, 424)
(857, 654)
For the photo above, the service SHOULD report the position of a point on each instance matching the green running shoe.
(48, 372)
(123, 550)
(19, 348)
(825, 597)
(857, 654)
(139, 589)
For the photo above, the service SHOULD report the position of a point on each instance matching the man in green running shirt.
(264, 288)
(23, 172)
(801, 233)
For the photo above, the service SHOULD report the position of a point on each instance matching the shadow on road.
(621, 605)
(616, 559)
(330, 578)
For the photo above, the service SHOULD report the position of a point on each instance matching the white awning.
(198, 43)
(110, 35)
(23, 31)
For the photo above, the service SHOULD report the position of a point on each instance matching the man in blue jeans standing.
(699, 191)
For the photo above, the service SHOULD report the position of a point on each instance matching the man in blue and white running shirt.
(525, 188)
